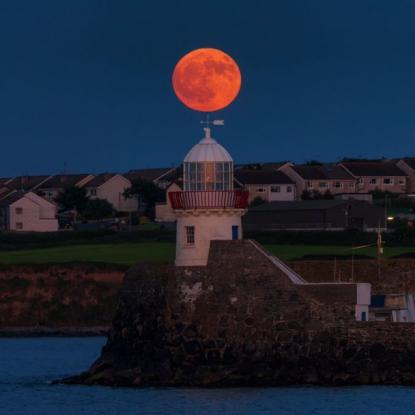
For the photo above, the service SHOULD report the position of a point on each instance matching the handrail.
(290, 273)
(210, 199)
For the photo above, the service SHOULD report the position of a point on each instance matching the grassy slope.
(129, 253)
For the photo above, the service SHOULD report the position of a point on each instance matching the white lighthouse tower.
(208, 208)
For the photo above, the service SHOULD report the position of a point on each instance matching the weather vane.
(209, 122)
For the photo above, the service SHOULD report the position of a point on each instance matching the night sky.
(85, 85)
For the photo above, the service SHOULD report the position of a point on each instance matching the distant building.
(50, 188)
(408, 166)
(111, 187)
(321, 178)
(162, 177)
(27, 212)
(269, 185)
(373, 175)
(164, 210)
(307, 215)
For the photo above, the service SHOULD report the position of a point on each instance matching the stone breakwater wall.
(39, 298)
(240, 321)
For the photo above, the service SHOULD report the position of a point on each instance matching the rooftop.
(261, 177)
(149, 174)
(26, 182)
(100, 179)
(63, 180)
(410, 161)
(373, 168)
(207, 149)
(322, 172)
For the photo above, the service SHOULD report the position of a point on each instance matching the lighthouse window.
(190, 235)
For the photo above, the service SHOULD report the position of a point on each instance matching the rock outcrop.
(240, 321)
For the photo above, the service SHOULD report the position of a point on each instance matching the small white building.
(27, 212)
(111, 187)
(208, 208)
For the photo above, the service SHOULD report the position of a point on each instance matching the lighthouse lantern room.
(208, 208)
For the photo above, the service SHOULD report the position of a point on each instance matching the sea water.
(28, 365)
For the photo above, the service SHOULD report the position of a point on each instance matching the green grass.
(126, 253)
(130, 253)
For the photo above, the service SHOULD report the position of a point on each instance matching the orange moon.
(206, 80)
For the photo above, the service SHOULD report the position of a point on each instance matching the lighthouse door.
(235, 232)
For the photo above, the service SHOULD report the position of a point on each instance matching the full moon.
(206, 80)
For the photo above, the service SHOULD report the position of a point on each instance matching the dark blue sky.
(88, 82)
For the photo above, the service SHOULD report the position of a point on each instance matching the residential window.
(19, 226)
(338, 185)
(19, 211)
(373, 181)
(309, 185)
(93, 192)
(323, 184)
(289, 189)
(260, 190)
(190, 235)
(387, 180)
(360, 180)
(401, 181)
(275, 189)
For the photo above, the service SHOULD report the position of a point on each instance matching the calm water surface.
(28, 365)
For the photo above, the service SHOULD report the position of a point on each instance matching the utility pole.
(379, 249)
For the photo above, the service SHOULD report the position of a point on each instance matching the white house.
(27, 212)
(269, 185)
(110, 187)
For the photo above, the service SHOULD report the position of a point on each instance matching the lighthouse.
(208, 208)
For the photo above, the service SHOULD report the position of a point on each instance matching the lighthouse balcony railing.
(226, 199)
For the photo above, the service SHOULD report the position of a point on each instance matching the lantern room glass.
(208, 176)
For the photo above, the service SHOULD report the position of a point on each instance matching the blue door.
(235, 232)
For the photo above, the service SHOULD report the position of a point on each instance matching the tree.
(316, 195)
(72, 198)
(257, 201)
(314, 163)
(97, 209)
(146, 192)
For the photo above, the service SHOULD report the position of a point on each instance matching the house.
(111, 187)
(50, 188)
(321, 178)
(164, 210)
(377, 175)
(27, 212)
(162, 177)
(309, 215)
(268, 185)
(407, 165)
